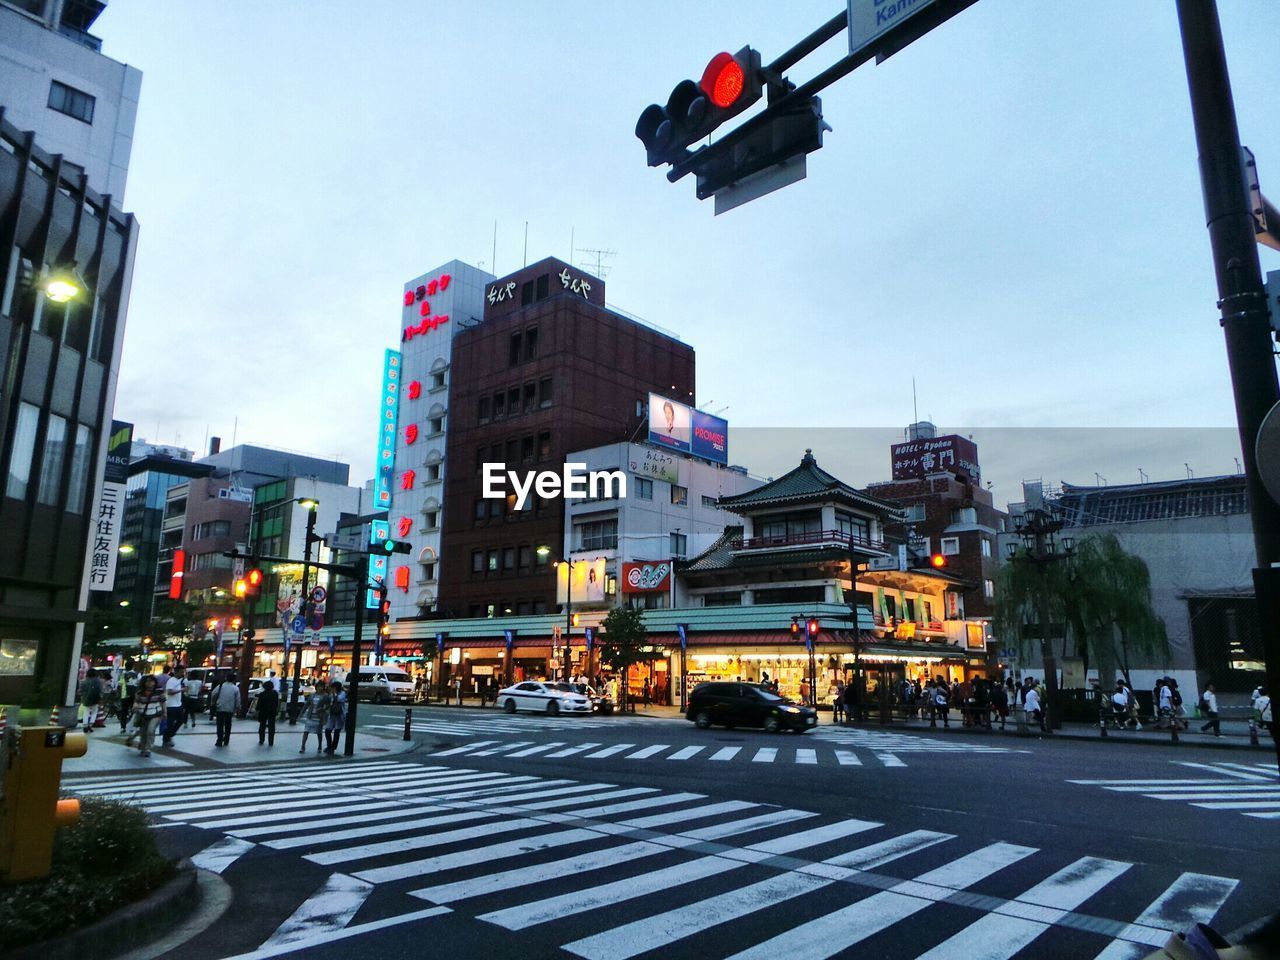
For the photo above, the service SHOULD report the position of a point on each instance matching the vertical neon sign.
(379, 530)
(387, 416)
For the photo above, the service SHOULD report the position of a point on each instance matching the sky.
(1007, 213)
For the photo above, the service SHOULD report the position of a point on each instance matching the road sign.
(1267, 450)
(237, 568)
(869, 19)
(319, 594)
(298, 624)
(555, 633)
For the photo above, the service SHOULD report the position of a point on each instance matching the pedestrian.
(224, 701)
(91, 699)
(314, 716)
(457, 689)
(852, 702)
(1209, 704)
(1000, 700)
(337, 719)
(1179, 711)
(1163, 699)
(646, 693)
(1120, 705)
(1133, 705)
(173, 690)
(192, 688)
(942, 701)
(837, 703)
(1031, 698)
(125, 690)
(148, 709)
(268, 706)
(1263, 712)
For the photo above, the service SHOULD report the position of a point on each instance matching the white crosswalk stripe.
(894, 742)
(1231, 787)
(477, 725)
(523, 853)
(803, 756)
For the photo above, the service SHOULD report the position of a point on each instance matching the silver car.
(543, 697)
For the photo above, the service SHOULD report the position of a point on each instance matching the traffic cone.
(53, 716)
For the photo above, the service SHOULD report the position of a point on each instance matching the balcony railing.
(814, 538)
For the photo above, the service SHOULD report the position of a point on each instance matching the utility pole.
(294, 709)
(1241, 296)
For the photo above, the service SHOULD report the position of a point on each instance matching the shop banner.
(646, 577)
(510, 637)
(590, 634)
(379, 530)
(288, 640)
(108, 510)
(683, 630)
(440, 641)
(333, 646)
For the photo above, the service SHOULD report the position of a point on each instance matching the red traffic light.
(253, 578)
(813, 627)
(724, 80)
(938, 561)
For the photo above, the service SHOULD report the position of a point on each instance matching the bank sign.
(677, 426)
(387, 417)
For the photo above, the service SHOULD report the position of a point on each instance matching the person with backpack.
(1262, 711)
(1179, 714)
(942, 701)
(1031, 699)
(91, 699)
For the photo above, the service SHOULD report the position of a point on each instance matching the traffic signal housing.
(813, 626)
(729, 85)
(390, 546)
(253, 578)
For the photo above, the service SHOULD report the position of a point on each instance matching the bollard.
(1253, 732)
(1173, 728)
(1102, 726)
(408, 724)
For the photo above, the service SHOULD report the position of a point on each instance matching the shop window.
(643, 488)
(531, 343)
(679, 496)
(544, 392)
(950, 546)
(516, 348)
(679, 543)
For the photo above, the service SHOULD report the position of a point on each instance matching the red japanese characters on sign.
(407, 479)
(415, 389)
(404, 526)
(419, 296)
(426, 326)
(402, 578)
(411, 433)
(646, 577)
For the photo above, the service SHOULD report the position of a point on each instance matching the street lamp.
(126, 549)
(62, 284)
(312, 507)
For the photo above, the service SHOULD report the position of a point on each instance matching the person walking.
(148, 708)
(91, 699)
(1164, 704)
(314, 716)
(1263, 711)
(336, 722)
(173, 690)
(942, 701)
(1209, 702)
(837, 703)
(268, 707)
(646, 692)
(125, 689)
(224, 701)
(1120, 706)
(192, 688)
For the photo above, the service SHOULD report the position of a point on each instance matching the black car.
(732, 704)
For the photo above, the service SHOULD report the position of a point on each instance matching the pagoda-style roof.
(809, 483)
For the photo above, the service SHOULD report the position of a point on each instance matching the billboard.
(677, 426)
(108, 511)
(587, 585)
(652, 577)
(916, 459)
(387, 416)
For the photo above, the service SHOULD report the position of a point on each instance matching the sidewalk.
(194, 747)
(1235, 734)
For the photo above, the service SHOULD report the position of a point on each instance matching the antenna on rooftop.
(599, 255)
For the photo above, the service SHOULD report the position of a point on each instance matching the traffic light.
(240, 588)
(937, 561)
(795, 629)
(813, 626)
(730, 83)
(573, 619)
(390, 546)
(253, 578)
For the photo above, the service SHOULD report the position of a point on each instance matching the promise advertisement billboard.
(677, 426)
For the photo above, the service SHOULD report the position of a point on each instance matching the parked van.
(384, 684)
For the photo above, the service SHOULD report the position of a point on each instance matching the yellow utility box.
(30, 810)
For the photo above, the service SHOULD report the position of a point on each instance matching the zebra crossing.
(471, 725)
(606, 872)
(1250, 789)
(878, 740)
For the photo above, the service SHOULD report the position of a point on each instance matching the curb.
(144, 920)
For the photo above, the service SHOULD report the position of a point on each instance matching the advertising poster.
(588, 581)
(677, 426)
(651, 577)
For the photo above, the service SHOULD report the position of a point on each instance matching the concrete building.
(80, 103)
(1196, 537)
(671, 512)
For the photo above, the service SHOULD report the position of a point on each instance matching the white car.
(541, 697)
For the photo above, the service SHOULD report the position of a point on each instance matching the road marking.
(530, 751)
(886, 851)
(889, 760)
(815, 836)
(376, 829)
(591, 813)
(570, 751)
(765, 755)
(806, 756)
(685, 753)
(325, 912)
(1012, 926)
(262, 953)
(486, 854)
(218, 856)
(847, 758)
(725, 753)
(405, 844)
(609, 751)
(844, 928)
(1192, 898)
(773, 819)
(1222, 770)
(645, 752)
(609, 794)
(688, 813)
(502, 749)
(462, 749)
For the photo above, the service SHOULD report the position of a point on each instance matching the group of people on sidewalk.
(979, 702)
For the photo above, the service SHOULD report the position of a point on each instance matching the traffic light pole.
(1241, 296)
(302, 611)
(353, 677)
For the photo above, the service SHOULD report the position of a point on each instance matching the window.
(544, 392)
(544, 445)
(509, 558)
(433, 471)
(437, 380)
(435, 425)
(523, 557)
(513, 401)
(710, 502)
(477, 561)
(540, 559)
(530, 397)
(431, 519)
(964, 515)
(597, 535)
(531, 343)
(542, 287)
(679, 495)
(55, 451)
(526, 450)
(516, 349)
(988, 588)
(498, 507)
(428, 571)
(211, 528)
(986, 547)
(950, 546)
(484, 410)
(728, 599)
(526, 293)
(492, 562)
(643, 488)
(499, 406)
(72, 102)
(915, 512)
(679, 544)
(784, 525)
(79, 470)
(856, 528)
(482, 510)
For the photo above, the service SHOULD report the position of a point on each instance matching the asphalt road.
(617, 837)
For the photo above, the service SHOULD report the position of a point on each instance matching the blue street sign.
(299, 624)
(683, 630)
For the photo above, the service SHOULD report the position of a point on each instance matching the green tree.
(172, 620)
(622, 643)
(103, 624)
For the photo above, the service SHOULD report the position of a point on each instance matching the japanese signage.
(646, 577)
(646, 462)
(108, 511)
(573, 284)
(379, 530)
(587, 583)
(678, 426)
(386, 464)
(916, 459)
(418, 300)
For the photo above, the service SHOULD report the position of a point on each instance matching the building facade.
(56, 82)
(56, 395)
(549, 370)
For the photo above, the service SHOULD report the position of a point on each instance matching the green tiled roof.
(808, 483)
